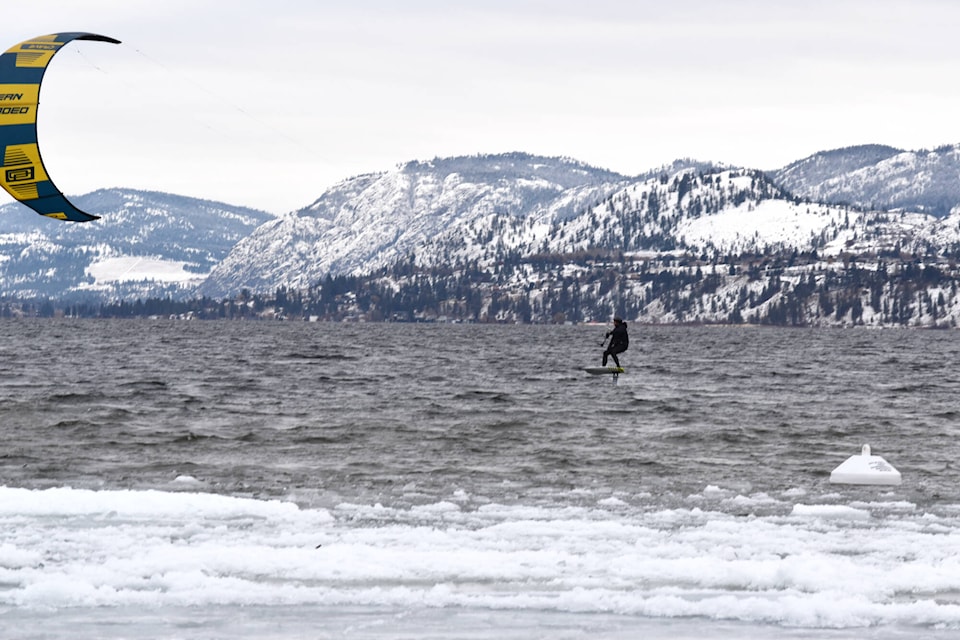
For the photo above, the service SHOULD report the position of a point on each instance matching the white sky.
(268, 103)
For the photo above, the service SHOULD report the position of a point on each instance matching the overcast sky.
(268, 103)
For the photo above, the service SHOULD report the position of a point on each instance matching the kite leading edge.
(22, 173)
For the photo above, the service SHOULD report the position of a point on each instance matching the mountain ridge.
(503, 217)
(367, 222)
(877, 176)
(180, 237)
(450, 207)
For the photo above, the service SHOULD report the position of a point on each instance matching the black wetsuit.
(618, 343)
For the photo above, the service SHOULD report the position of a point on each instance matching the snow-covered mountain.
(373, 220)
(488, 211)
(879, 177)
(489, 208)
(145, 244)
(702, 246)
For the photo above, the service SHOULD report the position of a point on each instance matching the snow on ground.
(769, 221)
(138, 269)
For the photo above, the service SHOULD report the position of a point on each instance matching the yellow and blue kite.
(23, 174)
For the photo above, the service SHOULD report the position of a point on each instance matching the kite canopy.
(23, 174)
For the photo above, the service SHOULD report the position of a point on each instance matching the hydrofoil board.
(604, 370)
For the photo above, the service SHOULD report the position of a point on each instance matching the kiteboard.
(604, 370)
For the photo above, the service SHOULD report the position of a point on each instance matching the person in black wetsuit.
(619, 341)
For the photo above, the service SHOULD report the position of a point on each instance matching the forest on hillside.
(792, 290)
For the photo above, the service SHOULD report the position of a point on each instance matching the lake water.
(163, 479)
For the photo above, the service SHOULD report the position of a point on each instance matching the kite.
(22, 173)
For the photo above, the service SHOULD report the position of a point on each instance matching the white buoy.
(865, 469)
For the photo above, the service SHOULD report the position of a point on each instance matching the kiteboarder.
(618, 341)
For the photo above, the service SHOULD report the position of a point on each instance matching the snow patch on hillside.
(773, 221)
(139, 269)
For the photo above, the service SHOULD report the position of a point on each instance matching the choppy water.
(218, 479)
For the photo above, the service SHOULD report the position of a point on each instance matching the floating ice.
(70, 552)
